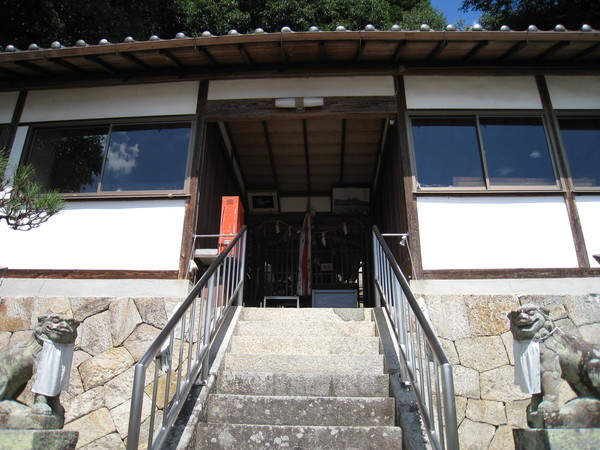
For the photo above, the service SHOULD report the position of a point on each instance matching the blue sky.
(450, 10)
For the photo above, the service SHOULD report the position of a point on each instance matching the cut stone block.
(311, 384)
(304, 363)
(259, 437)
(285, 410)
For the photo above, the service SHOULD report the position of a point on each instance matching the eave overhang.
(299, 53)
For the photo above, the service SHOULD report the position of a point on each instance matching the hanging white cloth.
(53, 368)
(527, 366)
(305, 260)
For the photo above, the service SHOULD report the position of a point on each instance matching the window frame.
(475, 115)
(571, 114)
(110, 123)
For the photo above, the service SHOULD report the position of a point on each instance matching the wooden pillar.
(191, 209)
(566, 181)
(405, 171)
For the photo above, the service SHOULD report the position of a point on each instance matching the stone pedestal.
(38, 439)
(556, 439)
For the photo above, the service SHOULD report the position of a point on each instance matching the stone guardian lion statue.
(544, 356)
(49, 350)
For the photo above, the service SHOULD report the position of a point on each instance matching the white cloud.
(122, 158)
(535, 155)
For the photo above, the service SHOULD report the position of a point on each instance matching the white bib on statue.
(53, 368)
(527, 366)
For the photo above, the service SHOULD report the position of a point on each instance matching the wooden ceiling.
(266, 54)
(307, 155)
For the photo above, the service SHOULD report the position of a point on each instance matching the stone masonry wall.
(475, 334)
(113, 335)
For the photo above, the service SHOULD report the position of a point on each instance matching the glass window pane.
(447, 153)
(146, 157)
(516, 152)
(581, 137)
(68, 159)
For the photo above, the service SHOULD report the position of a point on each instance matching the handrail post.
(449, 409)
(135, 414)
(242, 273)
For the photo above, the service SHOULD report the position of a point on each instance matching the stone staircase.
(302, 379)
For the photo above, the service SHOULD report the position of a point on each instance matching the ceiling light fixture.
(299, 103)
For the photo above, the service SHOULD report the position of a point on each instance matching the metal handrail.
(424, 365)
(193, 325)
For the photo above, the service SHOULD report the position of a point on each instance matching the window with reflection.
(111, 158)
(482, 152)
(581, 139)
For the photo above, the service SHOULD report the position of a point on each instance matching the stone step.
(306, 314)
(252, 362)
(259, 437)
(310, 384)
(304, 328)
(298, 345)
(310, 411)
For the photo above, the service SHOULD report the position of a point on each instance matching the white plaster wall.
(589, 214)
(94, 235)
(456, 92)
(111, 101)
(579, 92)
(8, 101)
(495, 233)
(301, 87)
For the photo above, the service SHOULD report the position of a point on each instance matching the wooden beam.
(491, 274)
(513, 50)
(322, 51)
(245, 54)
(360, 48)
(567, 182)
(582, 54)
(93, 274)
(251, 109)
(190, 217)
(66, 64)
(135, 60)
(14, 123)
(35, 68)
(171, 58)
(270, 150)
(438, 49)
(284, 56)
(204, 52)
(403, 146)
(398, 51)
(306, 158)
(552, 50)
(103, 64)
(343, 151)
(473, 52)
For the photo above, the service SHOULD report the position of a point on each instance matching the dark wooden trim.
(101, 63)
(206, 53)
(67, 65)
(191, 209)
(438, 49)
(571, 203)
(491, 274)
(253, 109)
(34, 68)
(475, 50)
(343, 151)
(412, 217)
(93, 274)
(245, 55)
(306, 159)
(270, 151)
(14, 122)
(552, 50)
(513, 50)
(135, 60)
(172, 59)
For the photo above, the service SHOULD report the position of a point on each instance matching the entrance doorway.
(296, 162)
